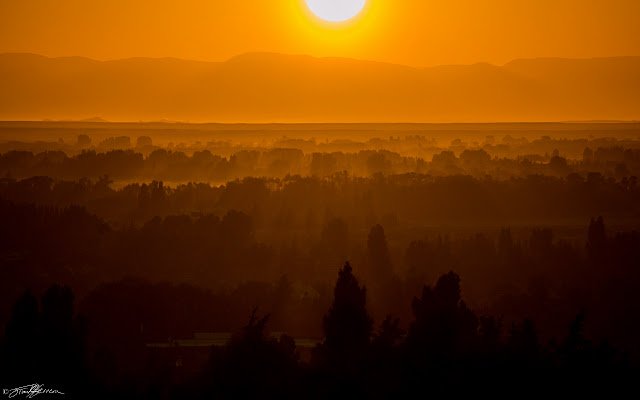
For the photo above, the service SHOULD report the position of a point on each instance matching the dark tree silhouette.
(347, 325)
(253, 364)
(523, 341)
(20, 356)
(45, 345)
(62, 337)
(443, 327)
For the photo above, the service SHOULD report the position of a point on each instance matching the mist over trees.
(116, 158)
(321, 269)
(297, 202)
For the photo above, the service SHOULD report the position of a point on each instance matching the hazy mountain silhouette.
(262, 87)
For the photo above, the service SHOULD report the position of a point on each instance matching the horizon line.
(273, 53)
(168, 122)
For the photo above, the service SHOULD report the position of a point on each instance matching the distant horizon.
(98, 120)
(284, 88)
(309, 55)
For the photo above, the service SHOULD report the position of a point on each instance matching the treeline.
(418, 144)
(447, 350)
(205, 166)
(305, 203)
(510, 275)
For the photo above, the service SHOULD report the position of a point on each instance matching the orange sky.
(414, 32)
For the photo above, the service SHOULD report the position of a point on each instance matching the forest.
(280, 273)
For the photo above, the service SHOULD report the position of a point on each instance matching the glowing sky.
(414, 32)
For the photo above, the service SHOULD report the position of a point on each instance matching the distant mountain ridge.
(268, 87)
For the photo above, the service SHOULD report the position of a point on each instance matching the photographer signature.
(29, 390)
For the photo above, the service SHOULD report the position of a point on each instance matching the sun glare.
(336, 10)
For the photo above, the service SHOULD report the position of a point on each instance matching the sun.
(336, 10)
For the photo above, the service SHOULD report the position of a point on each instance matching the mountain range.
(266, 87)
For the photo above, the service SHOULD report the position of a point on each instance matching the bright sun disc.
(336, 10)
